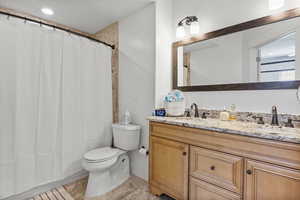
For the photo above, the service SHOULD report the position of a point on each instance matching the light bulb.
(180, 32)
(276, 4)
(194, 28)
(47, 11)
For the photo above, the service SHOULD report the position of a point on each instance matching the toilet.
(109, 167)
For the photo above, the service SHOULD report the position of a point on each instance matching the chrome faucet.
(274, 116)
(194, 105)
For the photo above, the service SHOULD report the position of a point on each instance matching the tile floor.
(133, 189)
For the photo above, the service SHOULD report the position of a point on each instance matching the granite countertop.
(250, 129)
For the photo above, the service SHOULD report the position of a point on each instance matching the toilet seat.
(101, 154)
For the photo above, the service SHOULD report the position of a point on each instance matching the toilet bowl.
(109, 167)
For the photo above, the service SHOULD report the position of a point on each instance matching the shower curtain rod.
(26, 17)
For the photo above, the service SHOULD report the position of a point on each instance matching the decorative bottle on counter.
(224, 115)
(232, 112)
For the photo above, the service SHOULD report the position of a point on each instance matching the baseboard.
(47, 187)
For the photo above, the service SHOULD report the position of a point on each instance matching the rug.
(56, 194)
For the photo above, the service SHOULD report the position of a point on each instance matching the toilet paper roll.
(143, 151)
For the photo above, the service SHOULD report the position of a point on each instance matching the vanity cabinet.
(169, 167)
(266, 181)
(196, 164)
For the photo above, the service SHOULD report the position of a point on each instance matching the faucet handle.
(187, 113)
(204, 115)
(289, 123)
(260, 119)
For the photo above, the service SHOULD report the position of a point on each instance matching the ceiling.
(86, 15)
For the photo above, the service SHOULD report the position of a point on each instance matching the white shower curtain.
(55, 103)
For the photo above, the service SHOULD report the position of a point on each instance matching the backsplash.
(250, 116)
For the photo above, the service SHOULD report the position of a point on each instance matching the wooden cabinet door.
(200, 190)
(271, 182)
(169, 168)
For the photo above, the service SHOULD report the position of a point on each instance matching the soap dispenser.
(127, 118)
(224, 115)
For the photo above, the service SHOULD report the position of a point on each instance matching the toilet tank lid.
(129, 127)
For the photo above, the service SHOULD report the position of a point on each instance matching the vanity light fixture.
(192, 22)
(195, 28)
(180, 32)
(276, 4)
(47, 11)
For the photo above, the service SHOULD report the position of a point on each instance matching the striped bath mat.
(55, 194)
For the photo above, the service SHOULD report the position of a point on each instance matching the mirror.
(298, 94)
(260, 54)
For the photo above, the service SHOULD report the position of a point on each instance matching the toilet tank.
(126, 137)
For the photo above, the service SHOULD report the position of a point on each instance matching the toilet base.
(102, 182)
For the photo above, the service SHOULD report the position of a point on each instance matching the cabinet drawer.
(220, 169)
(200, 190)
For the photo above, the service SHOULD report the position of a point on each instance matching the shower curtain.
(55, 103)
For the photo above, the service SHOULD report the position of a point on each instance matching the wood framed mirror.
(260, 54)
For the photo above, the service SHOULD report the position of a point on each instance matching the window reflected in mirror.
(277, 59)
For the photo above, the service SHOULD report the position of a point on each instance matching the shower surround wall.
(110, 35)
(55, 103)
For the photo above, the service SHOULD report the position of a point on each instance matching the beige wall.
(110, 35)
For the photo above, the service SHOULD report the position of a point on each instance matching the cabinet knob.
(184, 153)
(249, 172)
(212, 168)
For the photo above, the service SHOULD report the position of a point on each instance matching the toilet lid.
(101, 154)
